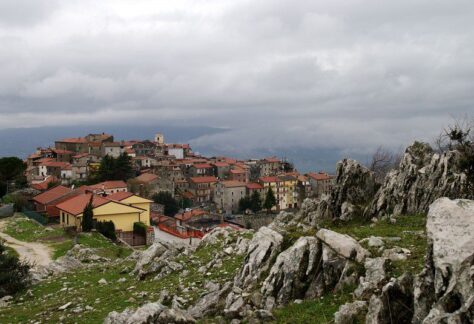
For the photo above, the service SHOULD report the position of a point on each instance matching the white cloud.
(347, 74)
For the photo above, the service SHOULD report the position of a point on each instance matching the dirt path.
(36, 253)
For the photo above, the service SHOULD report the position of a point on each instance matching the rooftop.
(232, 184)
(269, 179)
(319, 176)
(203, 179)
(109, 185)
(146, 177)
(76, 205)
(73, 140)
(51, 194)
(254, 185)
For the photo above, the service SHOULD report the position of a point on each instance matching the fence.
(36, 216)
(169, 226)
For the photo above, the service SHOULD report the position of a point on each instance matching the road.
(37, 254)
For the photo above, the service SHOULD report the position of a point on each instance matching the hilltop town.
(151, 233)
(210, 190)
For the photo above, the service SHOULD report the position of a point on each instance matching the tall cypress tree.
(270, 200)
(88, 217)
(255, 202)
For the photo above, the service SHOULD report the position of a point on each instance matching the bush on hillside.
(14, 274)
(140, 228)
(106, 228)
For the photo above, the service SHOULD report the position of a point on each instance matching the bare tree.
(382, 162)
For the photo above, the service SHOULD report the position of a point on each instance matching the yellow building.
(287, 191)
(123, 209)
(284, 189)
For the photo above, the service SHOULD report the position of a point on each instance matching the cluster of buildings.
(111, 201)
(215, 184)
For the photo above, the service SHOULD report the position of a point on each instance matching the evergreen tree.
(123, 167)
(255, 202)
(14, 274)
(88, 217)
(119, 168)
(244, 204)
(106, 169)
(270, 200)
(170, 204)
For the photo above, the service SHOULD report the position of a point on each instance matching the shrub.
(140, 228)
(14, 274)
(106, 228)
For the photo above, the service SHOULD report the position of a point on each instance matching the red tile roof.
(202, 166)
(237, 171)
(146, 177)
(254, 186)
(73, 140)
(109, 185)
(57, 164)
(51, 195)
(76, 205)
(44, 184)
(269, 179)
(203, 179)
(272, 159)
(221, 164)
(119, 196)
(57, 151)
(319, 176)
(233, 183)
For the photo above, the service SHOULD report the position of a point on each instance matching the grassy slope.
(115, 296)
(411, 230)
(25, 229)
(84, 290)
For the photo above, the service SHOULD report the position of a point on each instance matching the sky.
(348, 75)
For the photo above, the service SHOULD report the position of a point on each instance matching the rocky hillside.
(400, 253)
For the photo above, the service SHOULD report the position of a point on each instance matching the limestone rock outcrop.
(444, 292)
(262, 249)
(156, 259)
(422, 177)
(343, 245)
(293, 271)
(148, 314)
(353, 189)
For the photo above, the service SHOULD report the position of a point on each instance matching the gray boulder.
(148, 314)
(210, 303)
(394, 304)
(348, 313)
(293, 271)
(444, 291)
(157, 258)
(344, 245)
(262, 249)
(375, 277)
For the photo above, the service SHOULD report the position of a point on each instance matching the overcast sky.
(350, 74)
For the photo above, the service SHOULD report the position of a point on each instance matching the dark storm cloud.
(347, 74)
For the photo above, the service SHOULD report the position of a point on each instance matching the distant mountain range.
(23, 141)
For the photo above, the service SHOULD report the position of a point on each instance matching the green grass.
(411, 229)
(25, 229)
(11, 251)
(84, 290)
(319, 310)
